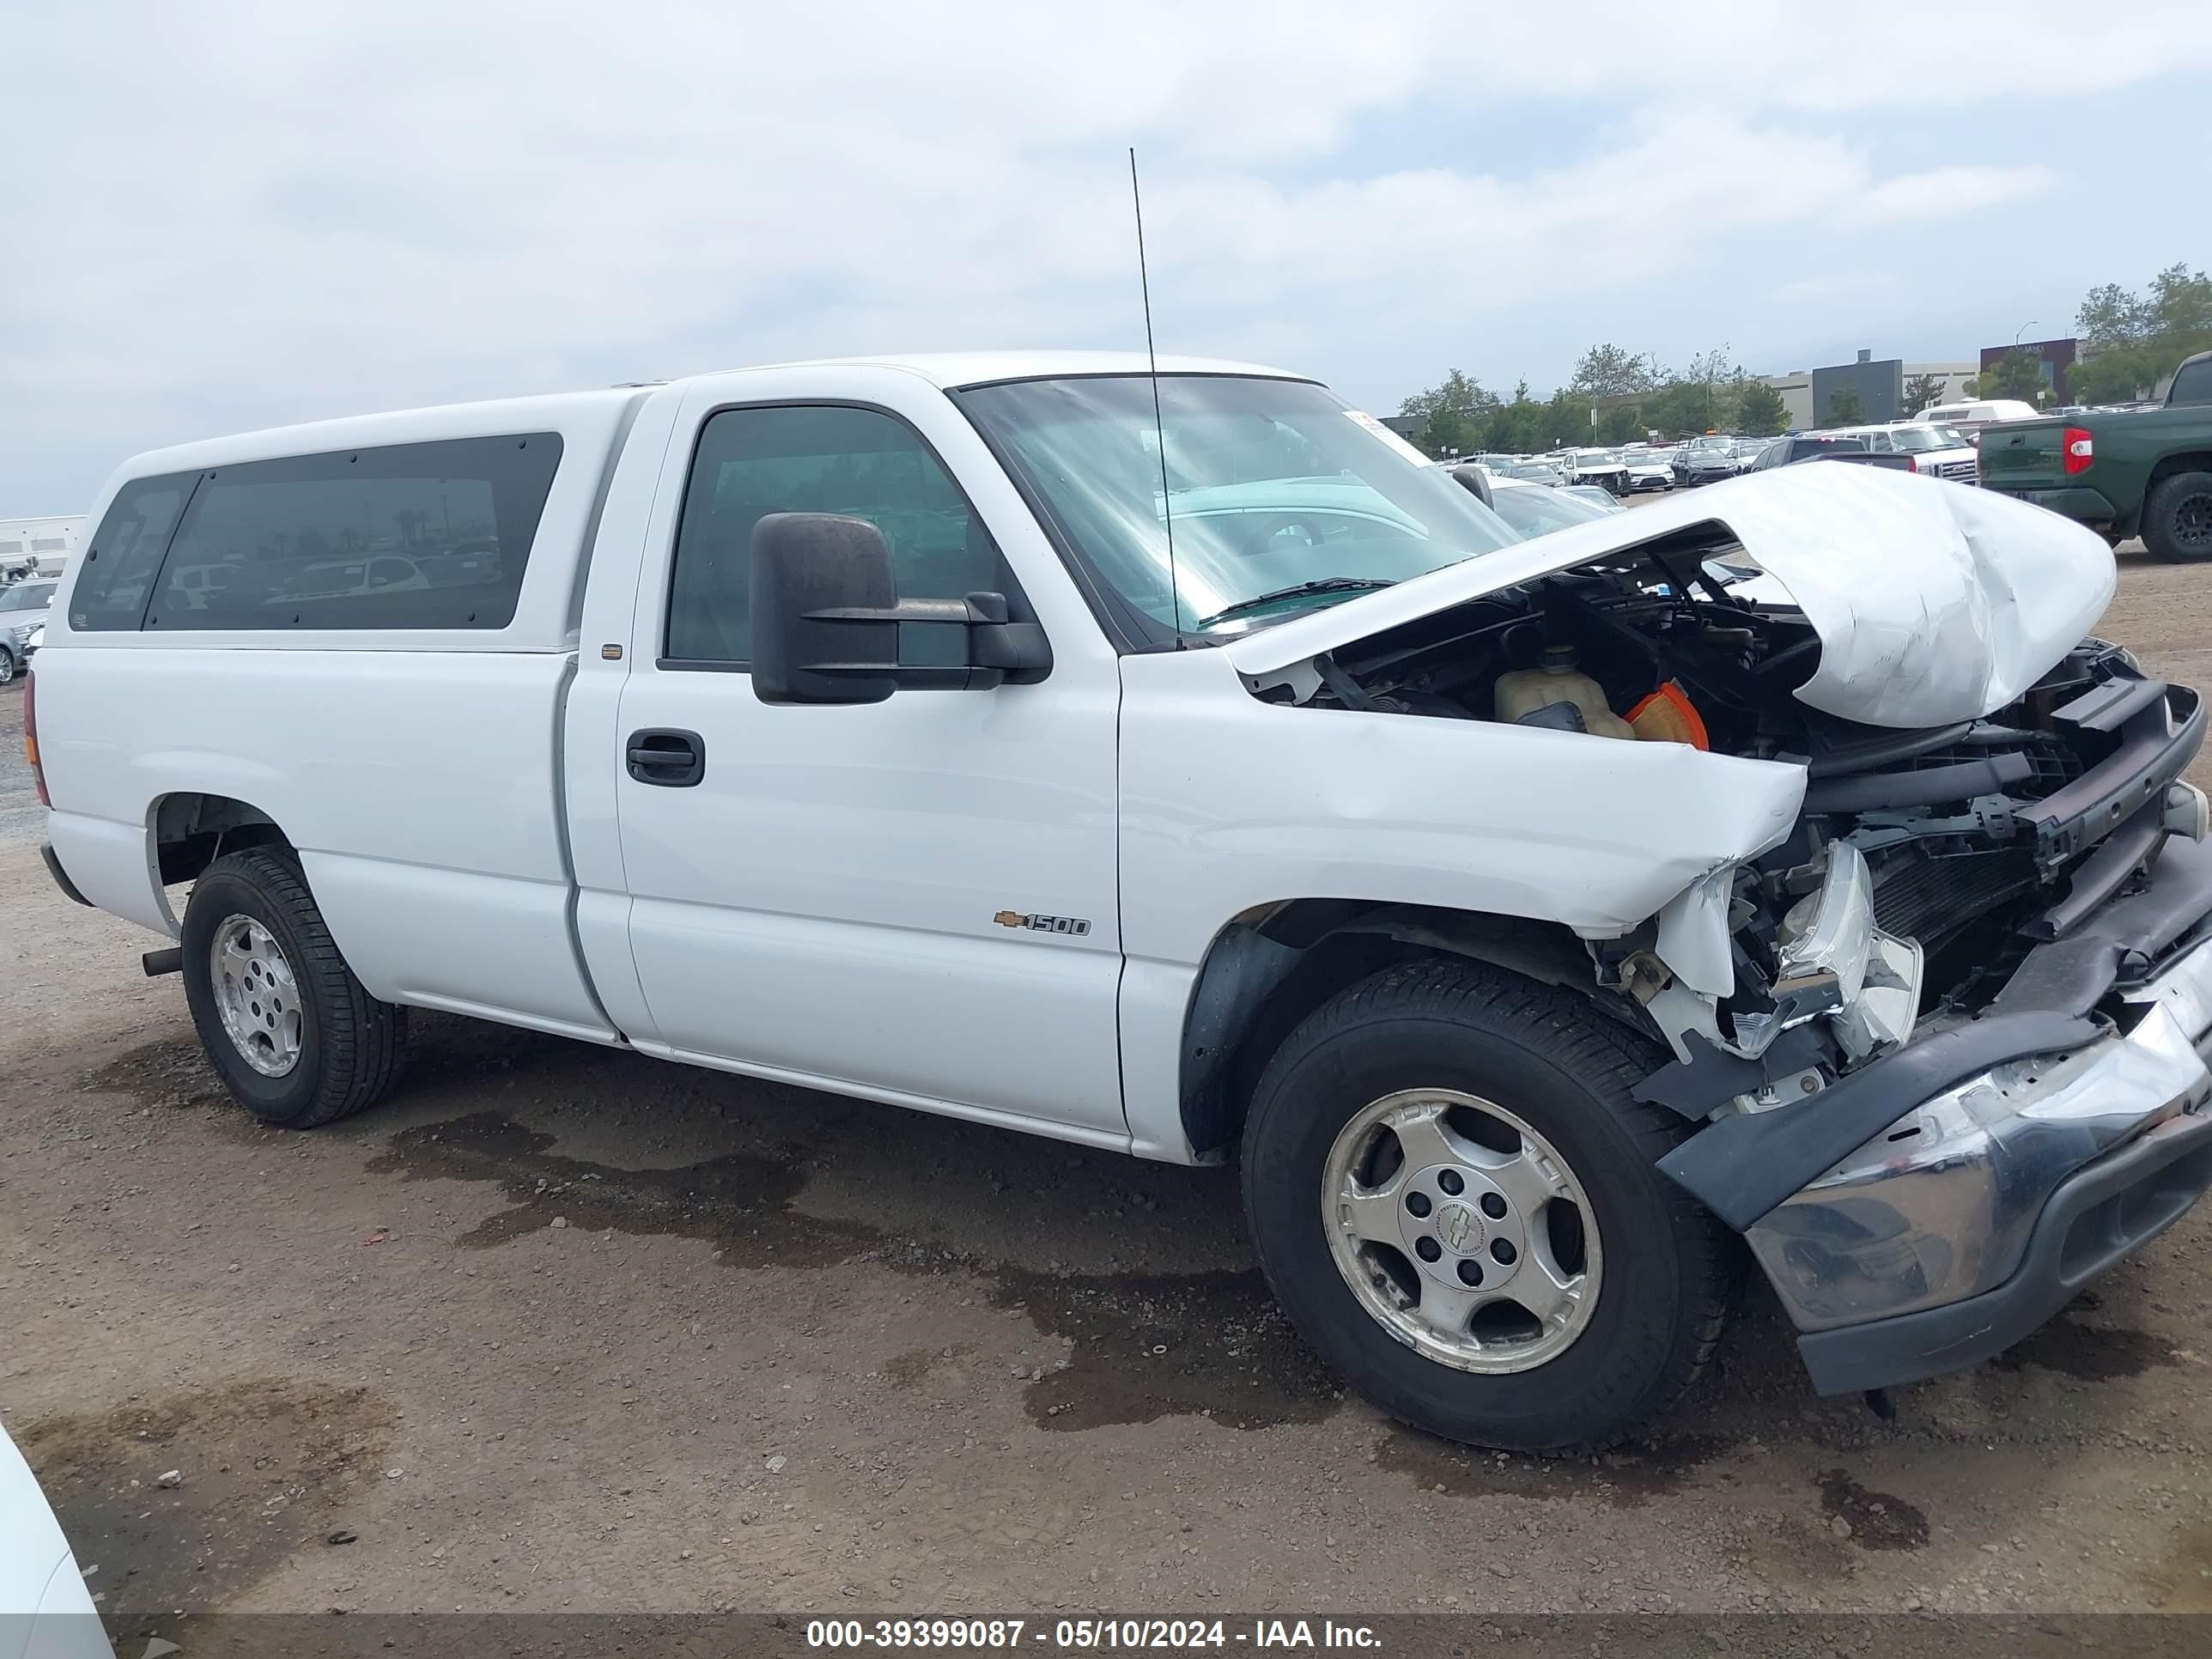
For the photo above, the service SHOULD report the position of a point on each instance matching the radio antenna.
(1159, 426)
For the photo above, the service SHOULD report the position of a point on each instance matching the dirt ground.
(563, 1328)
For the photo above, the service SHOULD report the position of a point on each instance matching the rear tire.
(293, 1036)
(2177, 518)
(1656, 1271)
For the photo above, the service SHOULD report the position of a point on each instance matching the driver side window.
(862, 463)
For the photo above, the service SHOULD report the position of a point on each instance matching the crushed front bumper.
(1932, 1208)
(1962, 1228)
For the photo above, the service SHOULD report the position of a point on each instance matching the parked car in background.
(1598, 466)
(2141, 473)
(1536, 472)
(1600, 498)
(1825, 446)
(23, 609)
(1707, 460)
(1531, 510)
(1971, 417)
(45, 1610)
(1649, 468)
(1940, 452)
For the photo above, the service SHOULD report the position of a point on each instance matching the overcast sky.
(220, 217)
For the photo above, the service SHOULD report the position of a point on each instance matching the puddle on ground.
(739, 1203)
(2092, 1353)
(2182, 1580)
(1878, 1521)
(1625, 1477)
(267, 1467)
(1147, 1346)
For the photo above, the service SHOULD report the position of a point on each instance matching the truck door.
(913, 900)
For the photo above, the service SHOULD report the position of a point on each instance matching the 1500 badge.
(1074, 926)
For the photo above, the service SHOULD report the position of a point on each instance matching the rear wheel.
(1453, 1197)
(294, 1037)
(2177, 516)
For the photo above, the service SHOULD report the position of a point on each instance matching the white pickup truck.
(1200, 779)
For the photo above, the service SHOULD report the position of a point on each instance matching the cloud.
(244, 214)
(1841, 285)
(1947, 192)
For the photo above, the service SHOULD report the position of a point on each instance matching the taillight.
(1913, 463)
(31, 736)
(2081, 449)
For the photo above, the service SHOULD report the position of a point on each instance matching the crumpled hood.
(1934, 601)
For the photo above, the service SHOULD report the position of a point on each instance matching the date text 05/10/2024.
(1081, 1635)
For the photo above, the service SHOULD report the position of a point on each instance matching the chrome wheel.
(1462, 1230)
(7, 664)
(255, 994)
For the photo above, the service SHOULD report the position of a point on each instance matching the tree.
(1517, 428)
(2016, 374)
(1455, 417)
(1844, 408)
(1620, 423)
(2130, 341)
(1759, 410)
(1921, 391)
(1609, 371)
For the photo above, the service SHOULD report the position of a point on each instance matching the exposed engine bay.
(1926, 863)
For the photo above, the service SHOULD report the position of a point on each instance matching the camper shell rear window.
(403, 536)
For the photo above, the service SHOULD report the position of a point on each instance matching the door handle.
(665, 756)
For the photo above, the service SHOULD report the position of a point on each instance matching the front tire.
(1455, 1199)
(293, 1036)
(7, 664)
(2177, 518)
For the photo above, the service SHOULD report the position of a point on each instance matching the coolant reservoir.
(1558, 679)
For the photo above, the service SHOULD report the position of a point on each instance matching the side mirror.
(826, 616)
(1475, 479)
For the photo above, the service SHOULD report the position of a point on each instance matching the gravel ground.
(563, 1328)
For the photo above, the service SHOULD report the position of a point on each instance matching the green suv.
(2146, 472)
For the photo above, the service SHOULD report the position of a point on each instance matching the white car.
(1970, 417)
(45, 1610)
(23, 610)
(1180, 764)
(1649, 469)
(1939, 451)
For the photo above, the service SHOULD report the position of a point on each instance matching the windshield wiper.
(1322, 585)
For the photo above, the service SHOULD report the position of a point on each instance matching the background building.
(44, 544)
(2057, 357)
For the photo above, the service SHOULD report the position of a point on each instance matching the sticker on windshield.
(1363, 418)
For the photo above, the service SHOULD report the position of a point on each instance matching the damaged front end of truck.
(1944, 1040)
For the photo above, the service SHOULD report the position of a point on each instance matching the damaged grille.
(1917, 895)
(2056, 765)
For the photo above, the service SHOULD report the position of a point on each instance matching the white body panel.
(821, 905)
(46, 1611)
(1934, 602)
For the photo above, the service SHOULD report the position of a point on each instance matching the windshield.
(1272, 484)
(31, 596)
(1913, 439)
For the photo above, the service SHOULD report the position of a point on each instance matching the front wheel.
(7, 664)
(1455, 1199)
(294, 1037)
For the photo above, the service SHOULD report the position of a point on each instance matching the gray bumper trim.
(2098, 1215)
